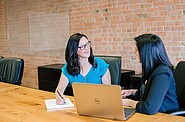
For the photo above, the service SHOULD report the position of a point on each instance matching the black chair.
(1, 57)
(11, 70)
(179, 75)
(114, 67)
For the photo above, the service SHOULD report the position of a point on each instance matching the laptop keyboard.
(128, 112)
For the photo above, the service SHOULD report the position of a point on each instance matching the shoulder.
(99, 60)
(101, 63)
(162, 69)
(65, 66)
(64, 70)
(102, 66)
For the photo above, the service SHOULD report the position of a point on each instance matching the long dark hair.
(71, 56)
(152, 53)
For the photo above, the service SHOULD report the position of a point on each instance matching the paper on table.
(51, 105)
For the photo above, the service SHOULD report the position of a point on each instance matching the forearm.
(63, 82)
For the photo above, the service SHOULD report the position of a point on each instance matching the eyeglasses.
(88, 44)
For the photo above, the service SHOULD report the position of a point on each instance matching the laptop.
(98, 100)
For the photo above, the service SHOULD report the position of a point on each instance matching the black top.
(160, 92)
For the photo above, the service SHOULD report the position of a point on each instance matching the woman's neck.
(85, 66)
(84, 61)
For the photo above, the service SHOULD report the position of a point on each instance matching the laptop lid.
(98, 100)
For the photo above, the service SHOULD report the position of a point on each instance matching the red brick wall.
(111, 25)
(3, 27)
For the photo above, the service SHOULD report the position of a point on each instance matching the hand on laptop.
(128, 92)
(129, 102)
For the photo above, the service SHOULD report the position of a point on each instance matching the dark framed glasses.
(88, 44)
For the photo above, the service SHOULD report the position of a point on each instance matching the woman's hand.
(128, 92)
(60, 98)
(129, 102)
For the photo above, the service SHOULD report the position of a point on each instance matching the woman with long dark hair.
(81, 66)
(160, 88)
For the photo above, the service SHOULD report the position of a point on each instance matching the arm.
(156, 92)
(106, 79)
(63, 82)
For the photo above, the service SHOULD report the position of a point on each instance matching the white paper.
(51, 105)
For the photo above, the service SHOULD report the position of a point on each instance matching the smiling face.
(84, 48)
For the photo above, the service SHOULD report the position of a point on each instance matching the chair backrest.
(179, 75)
(1, 57)
(11, 70)
(114, 67)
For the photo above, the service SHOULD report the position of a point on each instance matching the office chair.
(179, 75)
(1, 57)
(11, 70)
(114, 67)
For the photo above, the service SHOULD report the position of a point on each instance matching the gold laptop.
(98, 100)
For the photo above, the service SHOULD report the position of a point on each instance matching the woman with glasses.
(81, 66)
(160, 88)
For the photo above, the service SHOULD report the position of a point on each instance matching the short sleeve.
(64, 70)
(102, 66)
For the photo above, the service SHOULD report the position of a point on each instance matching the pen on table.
(60, 95)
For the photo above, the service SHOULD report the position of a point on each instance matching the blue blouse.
(94, 75)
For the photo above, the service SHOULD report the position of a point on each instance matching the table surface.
(23, 104)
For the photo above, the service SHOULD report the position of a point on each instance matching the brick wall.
(111, 25)
(3, 27)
